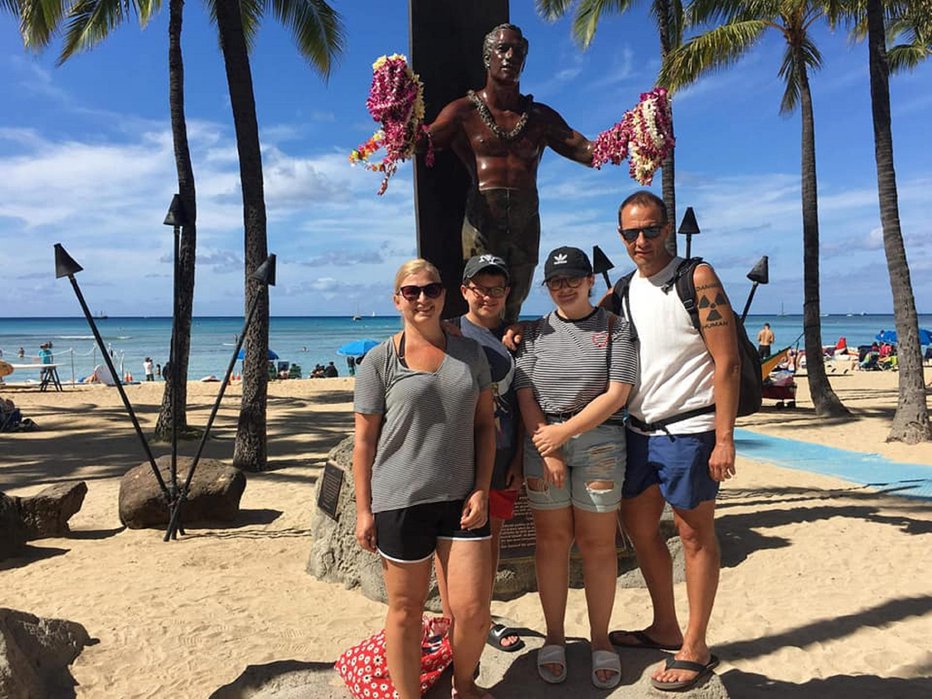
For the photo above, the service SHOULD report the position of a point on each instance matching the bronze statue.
(500, 136)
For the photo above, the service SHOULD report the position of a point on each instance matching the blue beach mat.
(892, 477)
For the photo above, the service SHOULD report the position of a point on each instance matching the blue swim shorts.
(678, 463)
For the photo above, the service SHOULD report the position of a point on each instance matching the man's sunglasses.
(412, 292)
(631, 234)
(496, 292)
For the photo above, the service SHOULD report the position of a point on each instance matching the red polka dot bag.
(364, 667)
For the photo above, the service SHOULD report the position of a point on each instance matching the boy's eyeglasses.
(631, 234)
(496, 292)
(412, 292)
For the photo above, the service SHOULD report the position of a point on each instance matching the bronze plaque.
(517, 541)
(328, 496)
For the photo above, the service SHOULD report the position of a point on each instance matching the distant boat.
(100, 315)
(373, 314)
(356, 315)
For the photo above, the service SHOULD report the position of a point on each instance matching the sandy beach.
(825, 590)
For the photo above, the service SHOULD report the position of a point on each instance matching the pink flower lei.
(396, 100)
(644, 136)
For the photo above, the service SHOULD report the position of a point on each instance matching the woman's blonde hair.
(413, 267)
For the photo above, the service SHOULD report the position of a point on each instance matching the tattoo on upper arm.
(712, 301)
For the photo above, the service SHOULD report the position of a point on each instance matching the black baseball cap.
(481, 263)
(567, 262)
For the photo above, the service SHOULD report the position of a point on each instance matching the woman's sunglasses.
(412, 292)
(558, 283)
(631, 234)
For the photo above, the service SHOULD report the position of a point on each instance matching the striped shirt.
(569, 363)
(425, 451)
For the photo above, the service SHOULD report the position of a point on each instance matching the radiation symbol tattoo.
(713, 305)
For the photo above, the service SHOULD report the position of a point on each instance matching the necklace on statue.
(486, 115)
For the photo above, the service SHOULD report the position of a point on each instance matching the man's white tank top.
(676, 369)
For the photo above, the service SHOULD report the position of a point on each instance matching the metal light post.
(601, 264)
(176, 218)
(689, 227)
(264, 276)
(760, 274)
(65, 266)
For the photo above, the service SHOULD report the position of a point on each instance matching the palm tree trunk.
(826, 402)
(911, 420)
(181, 327)
(250, 450)
(668, 172)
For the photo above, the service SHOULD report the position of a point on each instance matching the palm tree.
(88, 23)
(911, 420)
(668, 14)
(318, 34)
(740, 26)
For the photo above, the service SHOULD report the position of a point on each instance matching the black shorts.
(410, 535)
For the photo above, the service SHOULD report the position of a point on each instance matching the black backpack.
(751, 387)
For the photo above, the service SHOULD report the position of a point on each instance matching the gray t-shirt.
(425, 451)
(569, 363)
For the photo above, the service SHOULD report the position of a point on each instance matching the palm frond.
(39, 20)
(796, 61)
(317, 29)
(907, 56)
(251, 12)
(588, 13)
(89, 22)
(552, 10)
(716, 49)
(11, 6)
(711, 12)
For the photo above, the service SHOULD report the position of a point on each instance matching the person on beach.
(680, 436)
(422, 482)
(574, 454)
(765, 340)
(148, 369)
(330, 371)
(500, 136)
(485, 288)
(351, 366)
(21, 353)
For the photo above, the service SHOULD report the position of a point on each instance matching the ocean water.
(304, 340)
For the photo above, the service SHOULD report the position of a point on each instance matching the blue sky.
(86, 157)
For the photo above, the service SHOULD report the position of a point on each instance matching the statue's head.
(493, 43)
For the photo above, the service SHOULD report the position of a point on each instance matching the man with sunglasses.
(485, 289)
(500, 135)
(680, 435)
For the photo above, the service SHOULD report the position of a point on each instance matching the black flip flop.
(643, 641)
(702, 671)
(499, 631)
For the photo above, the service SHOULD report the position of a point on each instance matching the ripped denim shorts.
(597, 455)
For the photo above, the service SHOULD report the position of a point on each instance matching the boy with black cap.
(485, 288)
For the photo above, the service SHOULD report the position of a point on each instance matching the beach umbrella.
(242, 354)
(887, 336)
(357, 348)
(925, 336)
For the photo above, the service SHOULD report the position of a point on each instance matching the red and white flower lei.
(644, 136)
(396, 100)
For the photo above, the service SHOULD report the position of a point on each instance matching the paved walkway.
(893, 477)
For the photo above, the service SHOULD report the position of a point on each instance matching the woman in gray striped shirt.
(575, 369)
(422, 461)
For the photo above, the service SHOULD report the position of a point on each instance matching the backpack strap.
(686, 288)
(621, 304)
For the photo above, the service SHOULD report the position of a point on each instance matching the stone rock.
(47, 513)
(336, 557)
(506, 675)
(214, 495)
(12, 529)
(35, 654)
